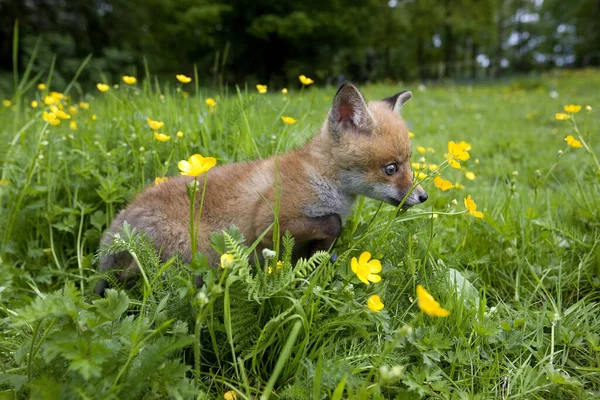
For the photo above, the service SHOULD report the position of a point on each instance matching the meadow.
(521, 284)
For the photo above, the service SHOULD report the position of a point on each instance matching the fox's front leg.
(313, 234)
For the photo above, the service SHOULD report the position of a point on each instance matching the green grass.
(522, 284)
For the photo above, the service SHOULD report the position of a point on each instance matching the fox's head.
(370, 147)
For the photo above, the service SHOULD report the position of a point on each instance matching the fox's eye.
(390, 169)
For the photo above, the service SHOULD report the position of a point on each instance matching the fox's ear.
(397, 101)
(349, 112)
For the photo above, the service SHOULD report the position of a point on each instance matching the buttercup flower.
(49, 100)
(561, 116)
(158, 180)
(411, 135)
(6, 103)
(442, 184)
(428, 305)
(230, 395)
(572, 109)
(156, 125)
(130, 80)
(375, 303)
(226, 261)
(59, 113)
(196, 165)
(73, 125)
(262, 89)
(94, 117)
(50, 118)
(161, 137)
(588, 108)
(41, 86)
(457, 151)
(470, 176)
(305, 81)
(574, 143)
(472, 207)
(421, 149)
(34, 104)
(288, 120)
(73, 110)
(102, 87)
(366, 270)
(210, 102)
(179, 134)
(421, 175)
(84, 105)
(183, 79)
(284, 91)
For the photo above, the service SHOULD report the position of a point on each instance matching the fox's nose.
(423, 197)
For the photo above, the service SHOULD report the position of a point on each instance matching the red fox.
(361, 149)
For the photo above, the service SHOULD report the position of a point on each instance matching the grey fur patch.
(332, 200)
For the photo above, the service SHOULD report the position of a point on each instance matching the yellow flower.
(464, 145)
(49, 100)
(130, 80)
(457, 151)
(415, 165)
(375, 303)
(288, 120)
(262, 89)
(421, 175)
(196, 165)
(459, 186)
(183, 79)
(59, 113)
(574, 143)
(442, 184)
(411, 135)
(472, 207)
(73, 110)
(161, 137)
(305, 81)
(572, 109)
(84, 105)
(210, 102)
(470, 176)
(226, 261)
(102, 87)
(41, 86)
(4, 182)
(421, 149)
(158, 180)
(179, 134)
(156, 125)
(561, 116)
(279, 264)
(50, 118)
(284, 91)
(57, 95)
(6, 103)
(428, 305)
(73, 125)
(34, 104)
(366, 270)
(230, 395)
(432, 167)
(588, 108)
(94, 117)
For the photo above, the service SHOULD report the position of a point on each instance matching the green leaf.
(112, 305)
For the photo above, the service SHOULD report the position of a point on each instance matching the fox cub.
(361, 149)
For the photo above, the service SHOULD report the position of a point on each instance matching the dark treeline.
(276, 40)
